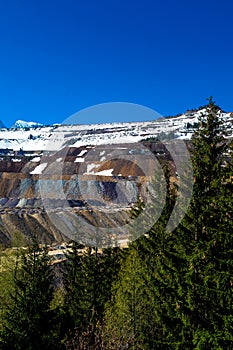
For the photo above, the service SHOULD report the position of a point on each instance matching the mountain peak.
(20, 124)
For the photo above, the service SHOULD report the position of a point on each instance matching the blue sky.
(60, 56)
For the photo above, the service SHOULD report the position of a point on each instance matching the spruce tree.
(123, 316)
(29, 322)
(144, 313)
(90, 272)
(184, 277)
(209, 228)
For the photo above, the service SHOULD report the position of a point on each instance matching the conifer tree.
(30, 324)
(185, 276)
(73, 310)
(144, 313)
(90, 272)
(123, 317)
(209, 230)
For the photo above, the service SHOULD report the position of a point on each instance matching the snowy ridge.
(55, 137)
(20, 124)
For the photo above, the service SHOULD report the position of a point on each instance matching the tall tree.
(89, 275)
(209, 297)
(143, 313)
(29, 322)
(184, 277)
(123, 316)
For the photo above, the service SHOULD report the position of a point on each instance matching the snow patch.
(39, 169)
(36, 159)
(84, 151)
(107, 172)
(90, 167)
(79, 160)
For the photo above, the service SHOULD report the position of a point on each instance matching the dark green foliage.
(175, 288)
(89, 277)
(143, 313)
(209, 224)
(192, 126)
(168, 290)
(30, 323)
(123, 317)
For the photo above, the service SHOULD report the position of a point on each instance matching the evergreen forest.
(166, 290)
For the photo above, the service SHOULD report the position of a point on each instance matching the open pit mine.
(50, 175)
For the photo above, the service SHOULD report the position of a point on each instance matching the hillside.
(34, 137)
(81, 169)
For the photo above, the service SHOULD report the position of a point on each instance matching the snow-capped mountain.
(30, 136)
(20, 124)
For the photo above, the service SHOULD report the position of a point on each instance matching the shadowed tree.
(29, 322)
(89, 274)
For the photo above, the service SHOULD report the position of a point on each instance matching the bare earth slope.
(81, 168)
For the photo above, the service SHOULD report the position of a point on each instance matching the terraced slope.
(94, 171)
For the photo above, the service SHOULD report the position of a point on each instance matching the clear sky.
(60, 56)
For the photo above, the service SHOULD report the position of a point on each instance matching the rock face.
(50, 174)
(33, 186)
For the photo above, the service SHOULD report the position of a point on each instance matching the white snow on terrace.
(185, 136)
(22, 134)
(55, 137)
(106, 139)
(30, 140)
(7, 144)
(79, 160)
(84, 151)
(107, 172)
(36, 159)
(39, 169)
(90, 168)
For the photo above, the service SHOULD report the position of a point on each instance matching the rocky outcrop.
(106, 178)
